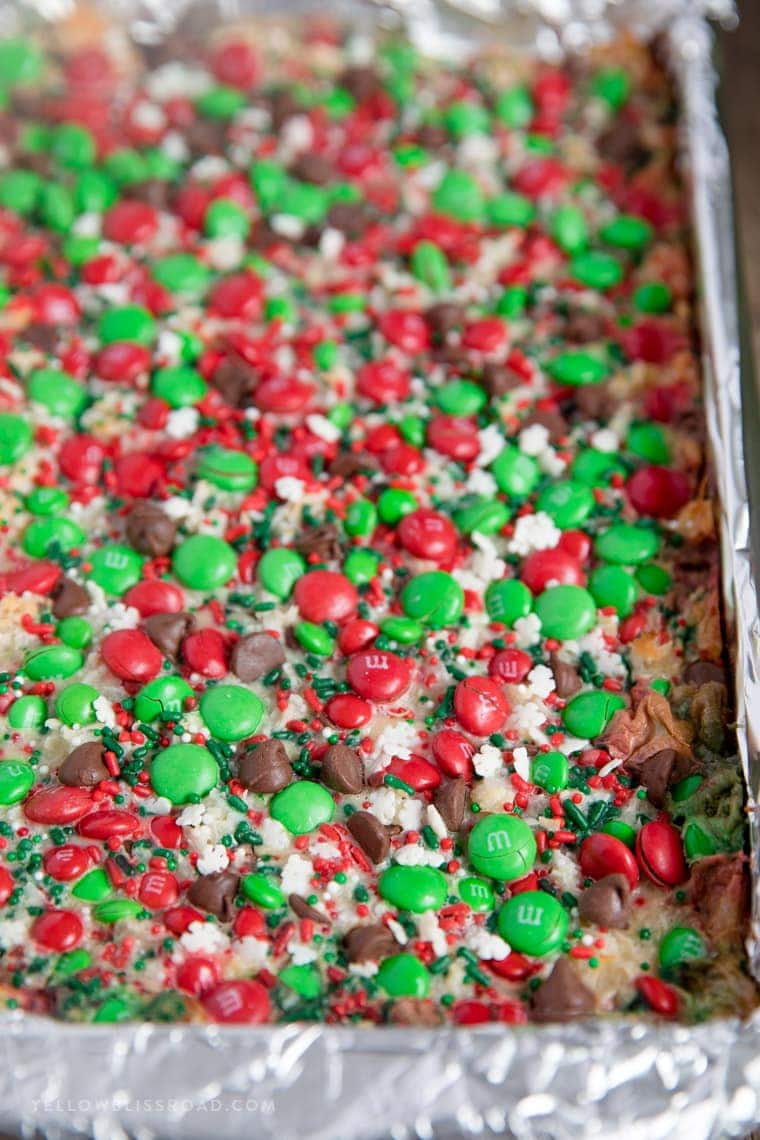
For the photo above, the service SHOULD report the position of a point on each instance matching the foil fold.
(617, 1077)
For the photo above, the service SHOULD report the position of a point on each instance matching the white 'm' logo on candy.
(528, 915)
(498, 841)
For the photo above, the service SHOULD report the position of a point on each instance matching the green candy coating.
(460, 398)
(302, 807)
(47, 501)
(303, 980)
(74, 704)
(75, 631)
(515, 107)
(516, 474)
(697, 843)
(182, 273)
(477, 893)
(550, 771)
(361, 518)
(434, 598)
(613, 85)
(565, 612)
(653, 297)
(15, 438)
(162, 696)
(52, 661)
(20, 190)
(486, 516)
(534, 923)
(502, 847)
(596, 468)
(649, 442)
(586, 715)
(184, 773)
(569, 229)
(626, 232)
(279, 570)
(230, 470)
(613, 586)
(429, 265)
(627, 545)
(314, 638)
(262, 890)
(685, 788)
(360, 566)
(459, 196)
(115, 568)
(508, 600)
(130, 323)
(180, 386)
(403, 630)
(225, 218)
(680, 945)
(204, 562)
(622, 831)
(93, 886)
(596, 269)
(27, 713)
(577, 368)
(16, 778)
(417, 889)
(231, 712)
(403, 975)
(510, 209)
(44, 533)
(21, 61)
(568, 504)
(116, 910)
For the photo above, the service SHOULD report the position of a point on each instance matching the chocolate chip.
(444, 318)
(621, 144)
(432, 136)
(370, 834)
(550, 418)
(70, 598)
(84, 767)
(369, 943)
(206, 136)
(150, 530)
(255, 655)
(605, 902)
(342, 769)
(262, 237)
(42, 336)
(215, 893)
(167, 631)
(595, 401)
(351, 218)
(567, 680)
(314, 168)
(416, 1011)
(702, 672)
(362, 82)
(299, 905)
(265, 767)
(349, 463)
(233, 379)
(282, 106)
(563, 996)
(322, 540)
(499, 378)
(585, 327)
(154, 191)
(662, 770)
(450, 800)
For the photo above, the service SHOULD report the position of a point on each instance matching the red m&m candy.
(603, 854)
(241, 1002)
(428, 534)
(58, 930)
(659, 850)
(131, 655)
(453, 753)
(480, 705)
(324, 595)
(379, 675)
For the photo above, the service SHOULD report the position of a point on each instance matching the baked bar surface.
(360, 615)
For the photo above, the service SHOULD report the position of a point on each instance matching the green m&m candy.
(204, 562)
(434, 598)
(360, 566)
(220, 102)
(550, 771)
(596, 269)
(180, 386)
(16, 778)
(116, 568)
(19, 190)
(228, 469)
(513, 301)
(72, 962)
(21, 61)
(484, 516)
(534, 923)
(596, 468)
(403, 630)
(163, 696)
(52, 661)
(27, 713)
(47, 501)
(697, 843)
(314, 638)
(516, 474)
(184, 773)
(653, 297)
(613, 85)
(515, 107)
(73, 146)
(44, 533)
(116, 910)
(510, 209)
(128, 322)
(225, 218)
(417, 889)
(262, 890)
(577, 368)
(93, 886)
(361, 518)
(15, 437)
(569, 229)
(626, 544)
(613, 586)
(680, 945)
(460, 398)
(182, 273)
(394, 503)
(686, 787)
(477, 893)
(231, 712)
(459, 196)
(586, 715)
(74, 704)
(508, 600)
(464, 117)
(626, 232)
(56, 390)
(94, 192)
(303, 980)
(622, 831)
(279, 569)
(75, 631)
(403, 975)
(502, 847)
(565, 612)
(430, 266)
(302, 807)
(649, 442)
(568, 503)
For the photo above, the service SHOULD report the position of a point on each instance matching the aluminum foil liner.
(614, 1078)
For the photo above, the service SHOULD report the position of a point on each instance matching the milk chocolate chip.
(322, 540)
(299, 906)
(84, 767)
(265, 767)
(563, 996)
(255, 655)
(450, 800)
(342, 769)
(215, 893)
(370, 834)
(70, 598)
(605, 902)
(167, 631)
(369, 943)
(567, 679)
(149, 529)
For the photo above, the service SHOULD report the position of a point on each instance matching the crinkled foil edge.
(619, 1078)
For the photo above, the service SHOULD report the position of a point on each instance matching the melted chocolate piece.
(167, 631)
(342, 769)
(215, 893)
(563, 996)
(265, 768)
(150, 530)
(370, 834)
(69, 599)
(606, 902)
(255, 655)
(84, 767)
(369, 943)
(450, 800)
